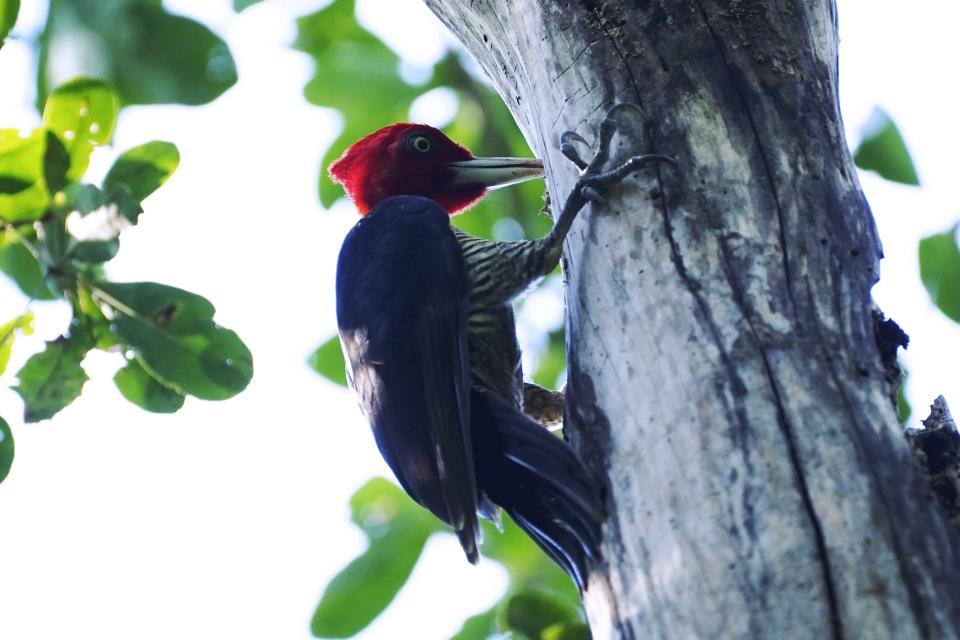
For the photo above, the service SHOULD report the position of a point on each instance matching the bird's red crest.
(404, 159)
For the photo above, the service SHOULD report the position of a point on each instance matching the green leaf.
(8, 332)
(10, 185)
(22, 163)
(83, 113)
(903, 404)
(150, 71)
(84, 198)
(8, 17)
(478, 627)
(22, 267)
(53, 378)
(56, 241)
(883, 150)
(940, 271)
(176, 339)
(328, 361)
(152, 56)
(142, 389)
(141, 170)
(6, 446)
(532, 612)
(127, 206)
(397, 530)
(240, 5)
(56, 164)
(95, 251)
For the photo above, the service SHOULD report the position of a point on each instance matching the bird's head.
(416, 159)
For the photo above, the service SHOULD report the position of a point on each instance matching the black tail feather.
(537, 478)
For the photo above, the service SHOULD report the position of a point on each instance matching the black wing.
(402, 311)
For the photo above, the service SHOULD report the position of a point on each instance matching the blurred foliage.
(6, 449)
(396, 530)
(882, 149)
(151, 56)
(327, 360)
(8, 16)
(940, 271)
(168, 336)
(540, 615)
(240, 5)
(903, 404)
(541, 603)
(22, 324)
(551, 361)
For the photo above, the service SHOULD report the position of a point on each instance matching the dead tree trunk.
(724, 375)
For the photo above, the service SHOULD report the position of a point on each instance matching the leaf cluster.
(59, 231)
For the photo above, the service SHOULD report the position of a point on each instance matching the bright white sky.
(227, 519)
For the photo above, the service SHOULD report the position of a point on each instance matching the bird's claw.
(592, 177)
(591, 194)
(567, 138)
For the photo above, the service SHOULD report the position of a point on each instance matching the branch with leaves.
(58, 231)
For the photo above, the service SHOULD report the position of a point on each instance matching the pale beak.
(494, 173)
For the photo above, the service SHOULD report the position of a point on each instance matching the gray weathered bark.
(724, 375)
(936, 446)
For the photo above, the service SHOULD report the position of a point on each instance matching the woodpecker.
(427, 329)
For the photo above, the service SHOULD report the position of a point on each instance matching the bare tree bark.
(936, 446)
(724, 375)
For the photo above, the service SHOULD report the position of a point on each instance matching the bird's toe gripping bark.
(567, 138)
(593, 179)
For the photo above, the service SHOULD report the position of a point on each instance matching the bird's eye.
(420, 143)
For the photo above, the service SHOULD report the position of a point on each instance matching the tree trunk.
(724, 374)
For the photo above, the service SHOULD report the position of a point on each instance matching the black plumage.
(456, 446)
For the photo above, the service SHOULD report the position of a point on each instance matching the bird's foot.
(592, 180)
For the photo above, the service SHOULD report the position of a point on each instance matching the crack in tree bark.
(795, 459)
(916, 606)
(761, 152)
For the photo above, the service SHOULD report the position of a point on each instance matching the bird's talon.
(591, 194)
(573, 156)
(593, 177)
(567, 136)
(567, 148)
